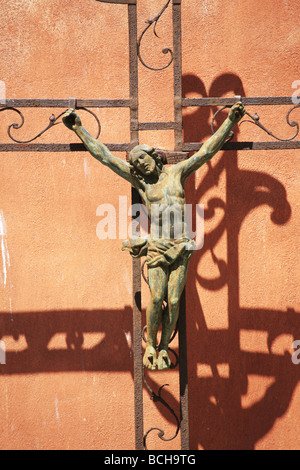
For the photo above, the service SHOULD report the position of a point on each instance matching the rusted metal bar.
(177, 74)
(126, 103)
(251, 101)
(133, 72)
(136, 263)
(135, 126)
(193, 147)
(145, 126)
(172, 157)
(175, 157)
(184, 390)
(65, 103)
(128, 2)
(137, 344)
(183, 375)
(76, 147)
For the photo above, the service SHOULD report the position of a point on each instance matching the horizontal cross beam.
(172, 156)
(127, 103)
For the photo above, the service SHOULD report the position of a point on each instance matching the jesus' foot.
(149, 359)
(163, 361)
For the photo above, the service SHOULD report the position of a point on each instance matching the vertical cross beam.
(183, 376)
(177, 64)
(136, 263)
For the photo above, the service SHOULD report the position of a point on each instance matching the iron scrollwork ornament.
(53, 121)
(255, 120)
(166, 50)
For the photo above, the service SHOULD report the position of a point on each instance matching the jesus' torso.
(165, 202)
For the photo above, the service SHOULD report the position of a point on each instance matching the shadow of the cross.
(223, 422)
(55, 341)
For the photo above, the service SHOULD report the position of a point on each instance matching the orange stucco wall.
(66, 302)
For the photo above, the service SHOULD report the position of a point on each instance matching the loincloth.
(160, 252)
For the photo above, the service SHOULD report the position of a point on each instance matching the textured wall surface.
(66, 303)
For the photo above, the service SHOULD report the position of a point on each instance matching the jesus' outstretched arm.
(97, 149)
(212, 145)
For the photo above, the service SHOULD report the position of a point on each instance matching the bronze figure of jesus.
(169, 246)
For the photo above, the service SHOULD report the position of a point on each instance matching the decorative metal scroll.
(166, 50)
(53, 121)
(156, 397)
(255, 119)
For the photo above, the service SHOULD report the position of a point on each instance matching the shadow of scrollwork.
(224, 423)
(56, 341)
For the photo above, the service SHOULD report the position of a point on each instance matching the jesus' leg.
(158, 278)
(176, 285)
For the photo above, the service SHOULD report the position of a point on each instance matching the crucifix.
(169, 247)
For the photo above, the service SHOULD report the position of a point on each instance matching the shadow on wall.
(217, 418)
(108, 350)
